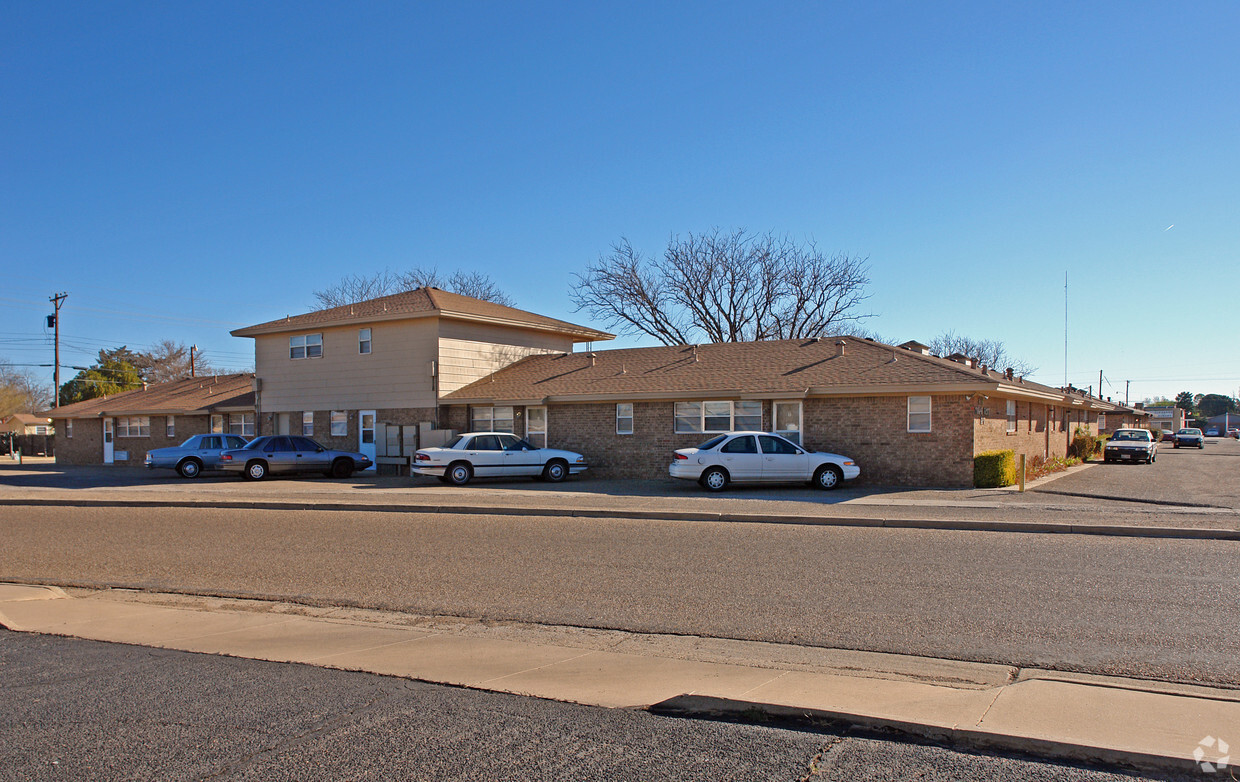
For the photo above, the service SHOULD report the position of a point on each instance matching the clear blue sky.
(181, 169)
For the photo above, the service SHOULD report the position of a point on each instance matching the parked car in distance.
(1190, 437)
(1131, 445)
(284, 454)
(745, 457)
(198, 453)
(1211, 433)
(495, 455)
(1168, 436)
(1234, 433)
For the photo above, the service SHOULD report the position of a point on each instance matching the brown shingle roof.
(177, 397)
(424, 302)
(792, 367)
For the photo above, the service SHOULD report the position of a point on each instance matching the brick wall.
(407, 416)
(871, 430)
(86, 444)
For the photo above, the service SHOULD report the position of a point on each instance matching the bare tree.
(724, 287)
(21, 391)
(170, 360)
(990, 352)
(356, 287)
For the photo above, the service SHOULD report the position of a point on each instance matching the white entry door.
(109, 433)
(366, 434)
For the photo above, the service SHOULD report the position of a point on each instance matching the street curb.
(728, 710)
(958, 525)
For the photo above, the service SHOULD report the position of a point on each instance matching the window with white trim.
(241, 424)
(305, 346)
(624, 418)
(170, 426)
(536, 426)
(217, 424)
(1011, 415)
(340, 424)
(717, 416)
(493, 419)
(133, 426)
(919, 414)
(307, 423)
(1102, 421)
(68, 427)
(787, 418)
(363, 341)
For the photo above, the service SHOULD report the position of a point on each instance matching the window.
(305, 346)
(624, 418)
(307, 423)
(1011, 415)
(68, 427)
(241, 424)
(919, 413)
(217, 424)
(363, 341)
(1102, 421)
(536, 426)
(134, 426)
(696, 417)
(777, 445)
(487, 442)
(745, 444)
(40, 429)
(787, 417)
(493, 419)
(340, 424)
(170, 426)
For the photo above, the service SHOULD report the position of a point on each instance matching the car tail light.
(680, 456)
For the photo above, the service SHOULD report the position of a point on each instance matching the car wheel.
(190, 468)
(459, 473)
(828, 477)
(714, 479)
(555, 471)
(342, 468)
(255, 470)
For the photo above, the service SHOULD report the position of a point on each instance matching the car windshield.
(1130, 435)
(256, 444)
(712, 442)
(192, 442)
(1189, 431)
(454, 442)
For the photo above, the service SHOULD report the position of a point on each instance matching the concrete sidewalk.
(1142, 724)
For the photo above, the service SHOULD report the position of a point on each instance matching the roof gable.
(423, 302)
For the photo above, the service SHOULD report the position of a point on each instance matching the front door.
(366, 434)
(782, 461)
(282, 423)
(741, 458)
(109, 432)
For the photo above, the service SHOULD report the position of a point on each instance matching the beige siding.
(470, 351)
(396, 374)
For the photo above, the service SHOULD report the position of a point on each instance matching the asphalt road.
(82, 710)
(1151, 608)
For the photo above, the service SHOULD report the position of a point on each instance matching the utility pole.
(54, 321)
(1126, 384)
(1099, 383)
(192, 350)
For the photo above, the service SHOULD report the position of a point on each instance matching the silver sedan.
(198, 453)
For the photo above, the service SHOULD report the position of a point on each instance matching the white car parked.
(495, 455)
(746, 457)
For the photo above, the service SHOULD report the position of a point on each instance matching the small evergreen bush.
(994, 468)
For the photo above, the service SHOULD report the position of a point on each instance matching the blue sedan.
(198, 453)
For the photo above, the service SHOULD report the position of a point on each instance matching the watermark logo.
(1216, 750)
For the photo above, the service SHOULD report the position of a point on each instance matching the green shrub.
(994, 468)
(1084, 444)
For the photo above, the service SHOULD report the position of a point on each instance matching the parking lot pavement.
(1181, 490)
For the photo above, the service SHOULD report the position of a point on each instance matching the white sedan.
(746, 457)
(495, 455)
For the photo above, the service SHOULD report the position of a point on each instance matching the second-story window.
(305, 346)
(363, 341)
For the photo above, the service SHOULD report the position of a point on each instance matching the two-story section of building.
(338, 374)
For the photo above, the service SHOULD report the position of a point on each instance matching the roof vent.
(1007, 373)
(839, 347)
(695, 355)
